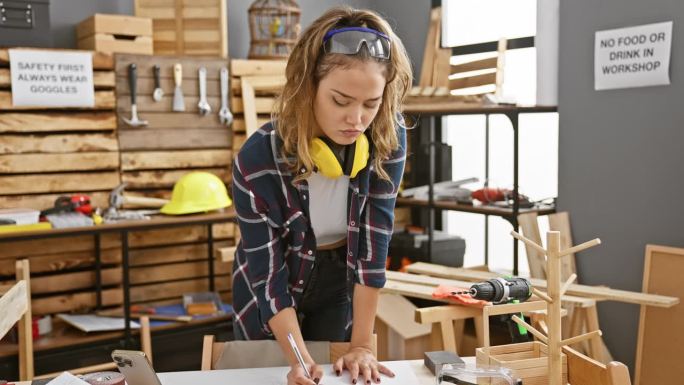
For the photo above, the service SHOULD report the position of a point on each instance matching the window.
(475, 21)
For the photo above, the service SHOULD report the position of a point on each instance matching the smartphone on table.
(135, 367)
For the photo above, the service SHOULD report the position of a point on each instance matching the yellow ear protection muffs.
(353, 158)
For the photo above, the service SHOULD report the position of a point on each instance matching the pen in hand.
(298, 354)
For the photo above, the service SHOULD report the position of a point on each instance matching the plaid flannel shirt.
(277, 250)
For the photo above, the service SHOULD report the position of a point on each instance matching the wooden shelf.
(456, 106)
(476, 209)
(64, 336)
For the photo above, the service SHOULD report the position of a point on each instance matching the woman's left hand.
(361, 361)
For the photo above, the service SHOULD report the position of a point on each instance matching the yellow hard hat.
(197, 192)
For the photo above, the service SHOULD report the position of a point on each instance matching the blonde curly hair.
(308, 64)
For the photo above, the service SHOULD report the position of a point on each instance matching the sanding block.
(435, 360)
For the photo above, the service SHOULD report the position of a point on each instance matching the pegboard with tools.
(176, 127)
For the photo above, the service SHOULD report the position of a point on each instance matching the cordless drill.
(504, 290)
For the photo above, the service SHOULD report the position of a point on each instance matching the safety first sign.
(633, 57)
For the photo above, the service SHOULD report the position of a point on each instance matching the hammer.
(117, 199)
(132, 80)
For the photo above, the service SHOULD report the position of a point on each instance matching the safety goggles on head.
(348, 41)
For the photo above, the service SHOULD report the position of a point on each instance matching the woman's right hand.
(297, 376)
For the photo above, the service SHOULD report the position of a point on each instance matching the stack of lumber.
(45, 153)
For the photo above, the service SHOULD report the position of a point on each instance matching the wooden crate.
(187, 27)
(254, 85)
(115, 33)
(400, 337)
(528, 360)
(45, 153)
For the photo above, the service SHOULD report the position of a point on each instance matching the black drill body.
(501, 290)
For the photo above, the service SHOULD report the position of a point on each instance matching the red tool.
(490, 194)
(75, 203)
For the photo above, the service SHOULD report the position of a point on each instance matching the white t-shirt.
(328, 208)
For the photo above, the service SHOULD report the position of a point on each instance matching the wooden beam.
(175, 159)
(596, 292)
(58, 143)
(175, 139)
(472, 81)
(104, 100)
(242, 67)
(155, 179)
(67, 182)
(13, 305)
(57, 121)
(39, 163)
(475, 65)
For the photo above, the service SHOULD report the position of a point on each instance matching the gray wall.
(65, 14)
(620, 157)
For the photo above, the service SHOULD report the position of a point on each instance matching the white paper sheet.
(93, 323)
(277, 376)
(67, 378)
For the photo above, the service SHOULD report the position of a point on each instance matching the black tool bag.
(25, 23)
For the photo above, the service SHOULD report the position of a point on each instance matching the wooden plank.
(174, 271)
(182, 120)
(244, 67)
(201, 36)
(249, 106)
(172, 139)
(101, 61)
(58, 143)
(596, 292)
(13, 305)
(170, 254)
(475, 65)
(175, 290)
(239, 140)
(101, 79)
(171, 236)
(263, 85)
(173, 159)
(44, 201)
(46, 246)
(57, 262)
(104, 100)
(433, 282)
(70, 302)
(660, 343)
(59, 182)
(114, 24)
(81, 280)
(111, 44)
(39, 163)
(561, 222)
(472, 81)
(240, 126)
(432, 43)
(156, 179)
(535, 259)
(57, 121)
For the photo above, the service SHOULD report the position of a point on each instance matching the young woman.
(315, 190)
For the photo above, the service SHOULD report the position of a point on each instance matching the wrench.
(203, 105)
(225, 116)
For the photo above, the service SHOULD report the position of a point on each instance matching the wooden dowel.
(541, 295)
(578, 248)
(529, 242)
(530, 329)
(576, 339)
(567, 283)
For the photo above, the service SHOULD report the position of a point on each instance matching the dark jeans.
(322, 311)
